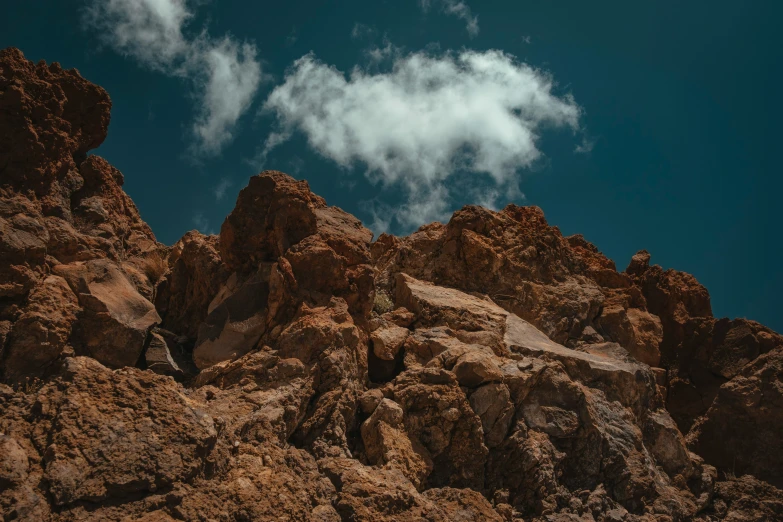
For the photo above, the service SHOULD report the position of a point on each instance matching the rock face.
(292, 369)
(72, 244)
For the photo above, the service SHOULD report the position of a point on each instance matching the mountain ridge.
(291, 368)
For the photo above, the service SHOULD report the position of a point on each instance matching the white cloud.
(427, 119)
(225, 74)
(233, 76)
(221, 188)
(456, 8)
(376, 54)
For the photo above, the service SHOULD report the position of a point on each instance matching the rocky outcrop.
(98, 436)
(291, 369)
(284, 247)
(73, 246)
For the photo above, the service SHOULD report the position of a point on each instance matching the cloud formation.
(225, 74)
(419, 125)
(220, 189)
(456, 8)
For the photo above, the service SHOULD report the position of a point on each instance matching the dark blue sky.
(679, 98)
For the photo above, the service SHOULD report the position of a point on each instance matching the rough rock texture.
(292, 369)
(64, 218)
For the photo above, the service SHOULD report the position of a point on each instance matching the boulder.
(115, 319)
(42, 333)
(159, 359)
(387, 341)
(236, 322)
(129, 441)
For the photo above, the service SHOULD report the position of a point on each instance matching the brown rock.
(741, 429)
(476, 368)
(647, 336)
(42, 333)
(386, 444)
(35, 149)
(128, 440)
(116, 319)
(386, 342)
(186, 291)
(497, 359)
(13, 462)
(57, 205)
(236, 322)
(492, 403)
(745, 499)
(462, 504)
(159, 359)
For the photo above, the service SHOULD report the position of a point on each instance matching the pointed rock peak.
(639, 264)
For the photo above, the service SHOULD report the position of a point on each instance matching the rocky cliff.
(290, 368)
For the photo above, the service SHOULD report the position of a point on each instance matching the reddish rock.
(60, 207)
(192, 282)
(741, 429)
(42, 332)
(115, 319)
(387, 341)
(485, 369)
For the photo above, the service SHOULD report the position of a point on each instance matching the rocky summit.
(291, 368)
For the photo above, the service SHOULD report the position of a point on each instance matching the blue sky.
(639, 124)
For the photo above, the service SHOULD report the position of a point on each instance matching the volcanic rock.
(483, 369)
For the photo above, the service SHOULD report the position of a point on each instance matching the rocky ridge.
(291, 368)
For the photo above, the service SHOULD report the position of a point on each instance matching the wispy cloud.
(428, 118)
(377, 54)
(224, 73)
(292, 37)
(456, 8)
(586, 146)
(202, 224)
(361, 31)
(221, 188)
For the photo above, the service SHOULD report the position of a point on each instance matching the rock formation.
(290, 368)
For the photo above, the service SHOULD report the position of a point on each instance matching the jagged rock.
(57, 205)
(326, 248)
(115, 319)
(638, 331)
(513, 256)
(741, 429)
(14, 466)
(186, 291)
(476, 368)
(387, 341)
(328, 342)
(492, 403)
(745, 499)
(129, 441)
(386, 443)
(42, 332)
(36, 149)
(366, 494)
(159, 359)
(543, 403)
(237, 319)
(501, 371)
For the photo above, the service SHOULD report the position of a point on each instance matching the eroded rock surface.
(290, 368)
(64, 217)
